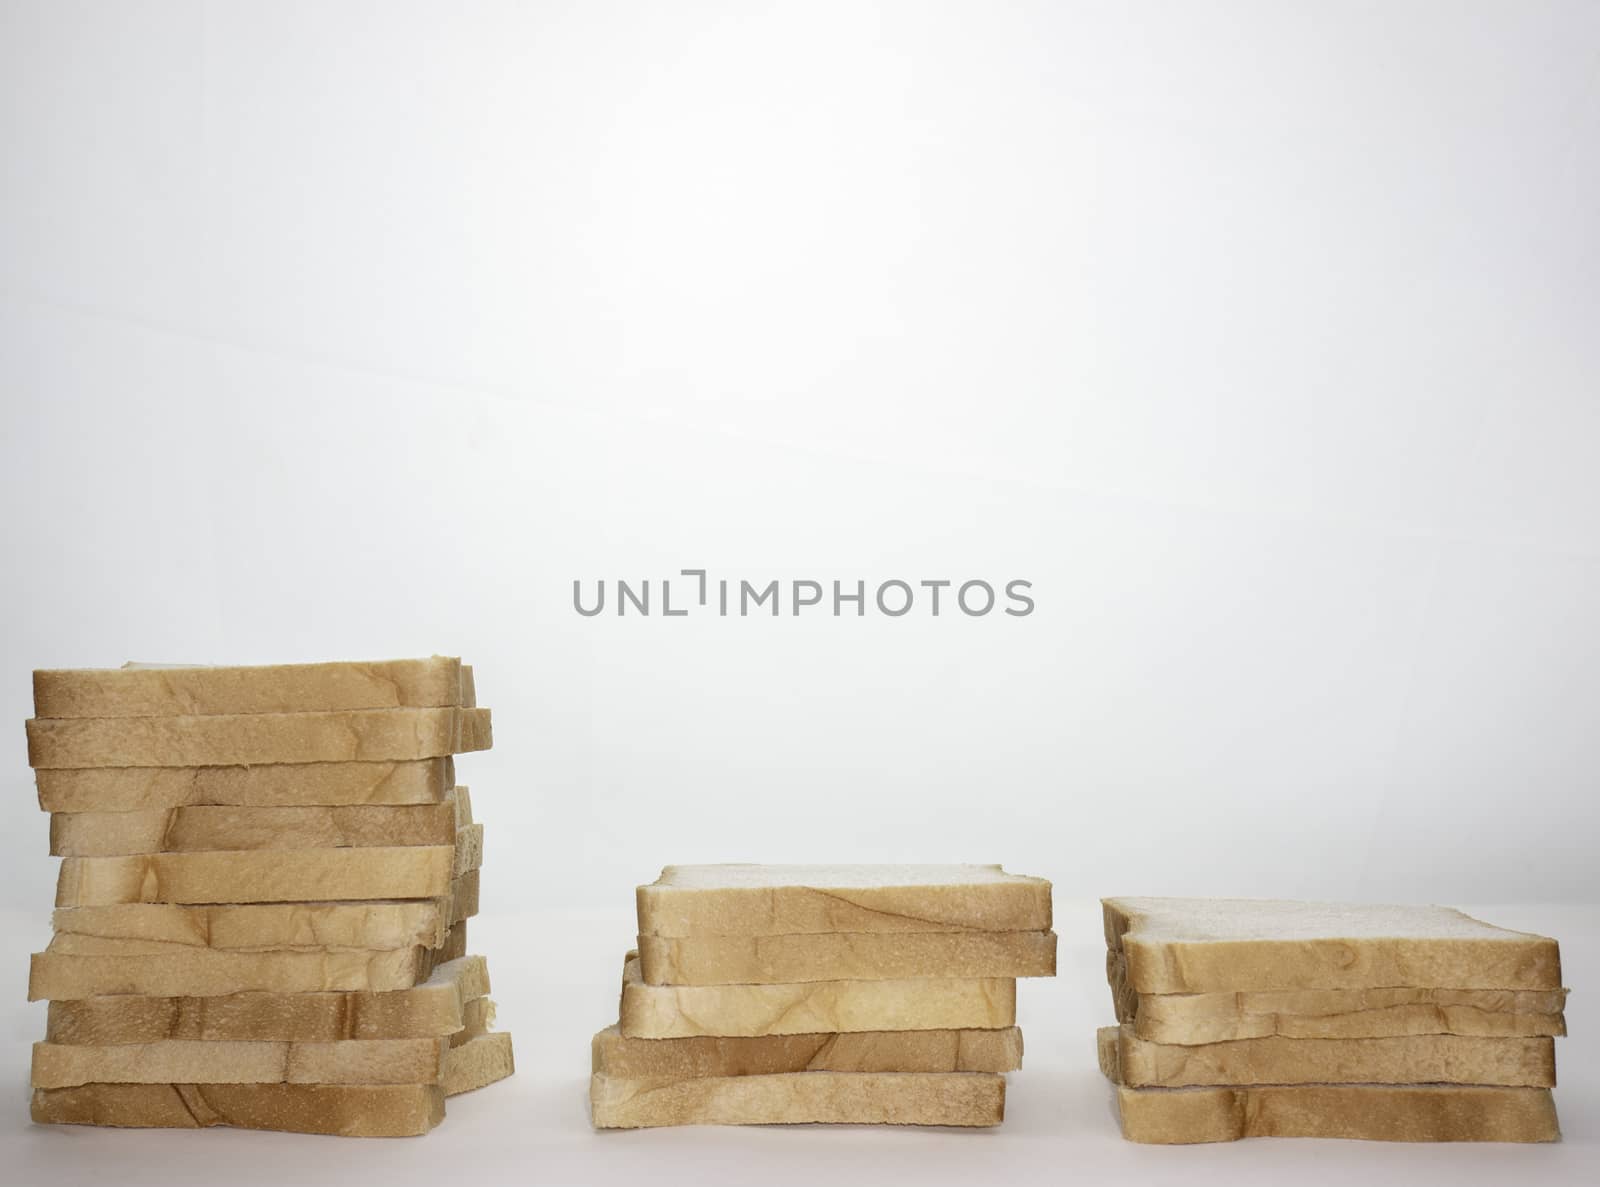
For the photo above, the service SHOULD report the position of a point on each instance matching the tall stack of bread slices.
(261, 911)
(852, 994)
(1244, 1018)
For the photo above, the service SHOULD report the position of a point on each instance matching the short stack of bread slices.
(1245, 1018)
(263, 898)
(848, 994)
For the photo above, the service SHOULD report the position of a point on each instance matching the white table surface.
(555, 977)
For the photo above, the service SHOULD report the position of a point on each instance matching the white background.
(1259, 337)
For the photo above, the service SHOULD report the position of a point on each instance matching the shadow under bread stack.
(765, 995)
(1244, 1018)
(261, 910)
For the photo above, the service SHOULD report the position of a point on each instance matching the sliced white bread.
(814, 1007)
(839, 956)
(358, 735)
(438, 1007)
(1370, 1112)
(615, 1055)
(146, 690)
(1231, 945)
(796, 1098)
(765, 900)
(287, 784)
(347, 1110)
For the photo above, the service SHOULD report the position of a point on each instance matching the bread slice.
(814, 1007)
(791, 1098)
(262, 875)
(1193, 1018)
(1368, 1112)
(359, 735)
(1163, 1026)
(68, 972)
(138, 690)
(837, 956)
(292, 784)
(1410, 1059)
(217, 826)
(1372, 1112)
(1220, 1004)
(477, 1063)
(759, 900)
(185, 1061)
(58, 976)
(262, 926)
(1232, 945)
(873, 1051)
(76, 945)
(436, 1008)
(348, 1110)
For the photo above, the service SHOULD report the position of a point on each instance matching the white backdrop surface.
(1258, 337)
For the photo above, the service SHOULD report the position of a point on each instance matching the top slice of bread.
(1170, 945)
(760, 900)
(142, 691)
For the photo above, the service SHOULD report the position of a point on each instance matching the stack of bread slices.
(853, 994)
(261, 910)
(1244, 1018)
